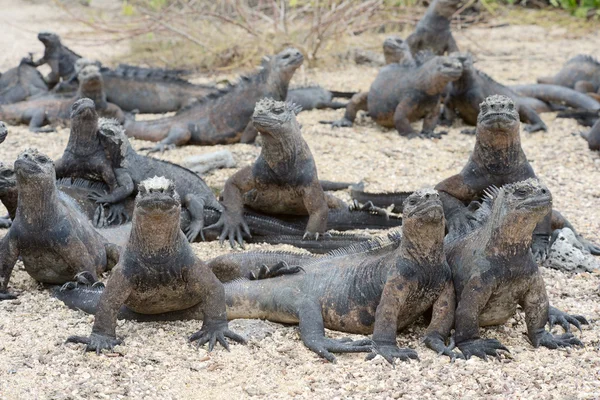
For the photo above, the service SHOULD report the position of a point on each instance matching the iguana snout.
(32, 162)
(423, 203)
(497, 110)
(83, 108)
(90, 76)
(269, 114)
(157, 194)
(450, 67)
(290, 57)
(47, 38)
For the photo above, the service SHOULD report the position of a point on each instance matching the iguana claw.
(481, 348)
(96, 342)
(558, 317)
(391, 351)
(213, 331)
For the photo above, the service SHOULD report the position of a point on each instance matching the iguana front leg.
(430, 123)
(473, 300)
(529, 116)
(37, 121)
(441, 323)
(318, 210)
(9, 253)
(535, 304)
(195, 206)
(124, 189)
(178, 136)
(394, 302)
(401, 121)
(103, 335)
(584, 87)
(358, 102)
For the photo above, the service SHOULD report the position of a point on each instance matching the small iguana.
(52, 109)
(494, 271)
(581, 73)
(19, 83)
(224, 117)
(160, 276)
(52, 237)
(433, 30)
(59, 58)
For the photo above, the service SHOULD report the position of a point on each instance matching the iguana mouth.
(537, 202)
(434, 207)
(265, 121)
(502, 116)
(27, 165)
(153, 204)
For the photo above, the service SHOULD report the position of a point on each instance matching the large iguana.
(224, 117)
(19, 83)
(473, 87)
(159, 274)
(581, 73)
(494, 271)
(404, 93)
(433, 30)
(52, 237)
(59, 58)
(52, 109)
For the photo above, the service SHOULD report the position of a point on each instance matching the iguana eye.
(278, 110)
(412, 202)
(521, 192)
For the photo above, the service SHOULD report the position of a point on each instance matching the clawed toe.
(482, 348)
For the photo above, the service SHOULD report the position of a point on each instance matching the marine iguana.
(159, 274)
(494, 271)
(21, 82)
(433, 30)
(593, 136)
(69, 244)
(59, 58)
(473, 87)
(558, 94)
(403, 93)
(224, 117)
(131, 168)
(316, 97)
(581, 73)
(51, 109)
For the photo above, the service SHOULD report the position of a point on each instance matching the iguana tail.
(583, 117)
(342, 95)
(332, 186)
(381, 199)
(558, 94)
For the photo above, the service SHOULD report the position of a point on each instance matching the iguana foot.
(117, 214)
(431, 134)
(555, 341)
(344, 122)
(589, 246)
(535, 127)
(436, 343)
(370, 207)
(324, 346)
(472, 131)
(96, 342)
(279, 269)
(213, 331)
(233, 226)
(159, 148)
(558, 317)
(85, 278)
(391, 352)
(315, 235)
(5, 223)
(43, 130)
(540, 247)
(481, 348)
(4, 295)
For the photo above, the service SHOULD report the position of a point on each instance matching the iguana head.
(90, 79)
(81, 63)
(3, 131)
(530, 199)
(157, 195)
(114, 140)
(425, 205)
(8, 179)
(33, 168)
(447, 8)
(49, 39)
(286, 62)
(447, 66)
(395, 50)
(84, 109)
(466, 59)
(275, 118)
(499, 113)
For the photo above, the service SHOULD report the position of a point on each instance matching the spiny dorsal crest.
(584, 58)
(493, 194)
(268, 104)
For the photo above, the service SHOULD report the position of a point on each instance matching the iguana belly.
(281, 201)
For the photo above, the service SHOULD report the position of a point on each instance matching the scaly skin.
(433, 30)
(50, 235)
(494, 271)
(581, 73)
(59, 58)
(224, 117)
(17, 84)
(159, 273)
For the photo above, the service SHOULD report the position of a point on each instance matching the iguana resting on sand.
(131, 168)
(473, 87)
(19, 83)
(581, 73)
(59, 58)
(283, 180)
(558, 94)
(68, 246)
(224, 117)
(51, 109)
(433, 30)
(403, 93)
(494, 271)
(159, 274)
(316, 97)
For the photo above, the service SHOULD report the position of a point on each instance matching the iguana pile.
(223, 117)
(494, 271)
(433, 30)
(52, 237)
(19, 83)
(159, 275)
(59, 58)
(581, 73)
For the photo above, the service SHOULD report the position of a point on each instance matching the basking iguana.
(19, 83)
(404, 93)
(52, 110)
(224, 117)
(581, 73)
(59, 58)
(159, 274)
(473, 87)
(494, 271)
(433, 30)
(52, 237)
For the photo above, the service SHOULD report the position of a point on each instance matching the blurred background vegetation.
(222, 35)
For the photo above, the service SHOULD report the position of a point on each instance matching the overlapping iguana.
(56, 110)
(224, 117)
(404, 93)
(21, 82)
(282, 181)
(473, 87)
(581, 73)
(52, 237)
(433, 30)
(494, 271)
(59, 58)
(159, 276)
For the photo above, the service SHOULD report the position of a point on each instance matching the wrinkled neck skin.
(498, 152)
(10, 198)
(51, 50)
(281, 150)
(94, 92)
(509, 234)
(430, 81)
(83, 139)
(465, 82)
(155, 236)
(38, 201)
(278, 82)
(423, 242)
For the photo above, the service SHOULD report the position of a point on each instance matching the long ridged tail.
(558, 94)
(381, 199)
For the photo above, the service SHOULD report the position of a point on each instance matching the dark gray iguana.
(224, 117)
(494, 270)
(49, 233)
(581, 73)
(21, 82)
(159, 274)
(433, 30)
(316, 97)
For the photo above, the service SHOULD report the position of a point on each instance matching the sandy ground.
(157, 362)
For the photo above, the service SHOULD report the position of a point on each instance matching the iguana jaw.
(83, 108)
(498, 112)
(47, 38)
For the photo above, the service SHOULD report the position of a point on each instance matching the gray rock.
(203, 163)
(567, 254)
